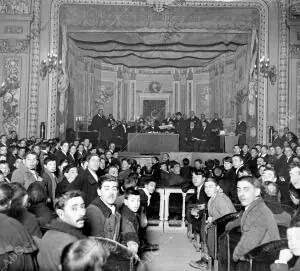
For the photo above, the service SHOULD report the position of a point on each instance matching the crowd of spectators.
(75, 190)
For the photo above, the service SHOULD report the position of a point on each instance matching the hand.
(281, 179)
(285, 255)
(133, 246)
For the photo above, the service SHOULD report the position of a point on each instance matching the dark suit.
(60, 156)
(50, 182)
(71, 159)
(191, 144)
(98, 122)
(277, 142)
(216, 126)
(194, 119)
(241, 129)
(87, 184)
(180, 126)
(205, 137)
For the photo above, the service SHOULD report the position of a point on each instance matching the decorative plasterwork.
(295, 49)
(283, 68)
(13, 46)
(13, 7)
(34, 78)
(261, 5)
(298, 96)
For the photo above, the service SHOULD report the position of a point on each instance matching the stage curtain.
(152, 50)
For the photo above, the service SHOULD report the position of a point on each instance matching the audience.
(120, 194)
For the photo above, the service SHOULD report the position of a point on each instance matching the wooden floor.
(174, 255)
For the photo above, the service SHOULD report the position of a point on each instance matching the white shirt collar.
(94, 174)
(148, 195)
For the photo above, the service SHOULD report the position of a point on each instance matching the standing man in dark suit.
(99, 121)
(193, 118)
(122, 131)
(62, 154)
(216, 126)
(180, 126)
(241, 129)
(87, 181)
(277, 141)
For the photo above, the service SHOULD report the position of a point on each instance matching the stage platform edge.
(145, 158)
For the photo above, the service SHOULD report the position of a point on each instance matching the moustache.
(81, 219)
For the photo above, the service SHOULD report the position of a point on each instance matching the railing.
(164, 209)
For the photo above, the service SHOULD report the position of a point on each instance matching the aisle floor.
(174, 255)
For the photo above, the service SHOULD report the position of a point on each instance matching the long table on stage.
(153, 143)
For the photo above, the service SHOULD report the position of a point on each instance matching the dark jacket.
(62, 187)
(87, 184)
(101, 222)
(17, 243)
(228, 179)
(258, 226)
(98, 122)
(71, 159)
(50, 182)
(60, 156)
(131, 221)
(51, 246)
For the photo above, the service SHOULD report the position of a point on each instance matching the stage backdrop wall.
(131, 93)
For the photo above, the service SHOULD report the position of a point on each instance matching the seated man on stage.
(205, 137)
(192, 137)
(152, 128)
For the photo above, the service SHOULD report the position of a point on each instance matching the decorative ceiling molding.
(260, 5)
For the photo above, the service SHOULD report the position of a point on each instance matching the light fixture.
(49, 65)
(266, 70)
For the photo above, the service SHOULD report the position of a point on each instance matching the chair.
(214, 232)
(264, 255)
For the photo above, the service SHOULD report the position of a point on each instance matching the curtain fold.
(154, 50)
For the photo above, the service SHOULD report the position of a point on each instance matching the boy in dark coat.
(130, 216)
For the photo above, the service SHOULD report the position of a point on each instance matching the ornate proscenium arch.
(259, 5)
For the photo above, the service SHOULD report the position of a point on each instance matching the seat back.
(263, 256)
